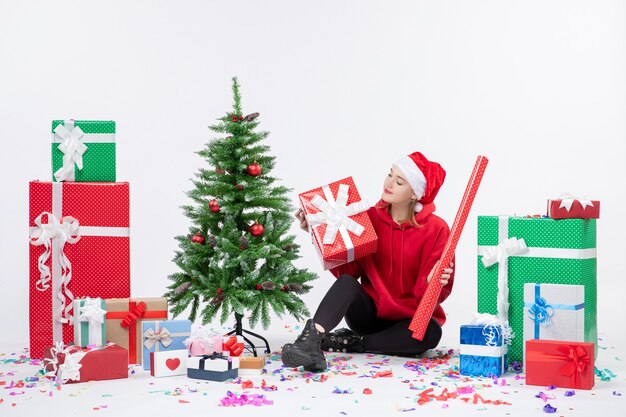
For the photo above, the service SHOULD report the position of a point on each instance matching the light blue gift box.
(163, 335)
(482, 352)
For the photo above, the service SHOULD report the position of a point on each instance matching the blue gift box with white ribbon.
(554, 312)
(483, 352)
(163, 335)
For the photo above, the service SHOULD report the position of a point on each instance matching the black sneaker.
(343, 340)
(306, 350)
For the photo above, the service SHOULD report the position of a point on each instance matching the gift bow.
(568, 199)
(577, 360)
(336, 214)
(541, 312)
(231, 345)
(73, 149)
(92, 312)
(500, 254)
(152, 338)
(70, 368)
(493, 326)
(66, 231)
(135, 314)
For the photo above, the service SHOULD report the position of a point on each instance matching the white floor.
(336, 392)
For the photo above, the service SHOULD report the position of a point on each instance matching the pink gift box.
(338, 220)
(199, 346)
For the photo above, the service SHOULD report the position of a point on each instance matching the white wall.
(344, 88)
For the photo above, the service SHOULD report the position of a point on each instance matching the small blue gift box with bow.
(483, 352)
(163, 335)
(214, 367)
(554, 312)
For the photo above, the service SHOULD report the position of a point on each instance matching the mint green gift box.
(83, 150)
(558, 252)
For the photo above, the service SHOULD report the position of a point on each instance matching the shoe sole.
(295, 359)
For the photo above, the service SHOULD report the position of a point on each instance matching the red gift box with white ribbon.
(572, 207)
(339, 223)
(79, 247)
(560, 363)
(69, 364)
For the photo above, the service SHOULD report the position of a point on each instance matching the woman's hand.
(304, 225)
(445, 274)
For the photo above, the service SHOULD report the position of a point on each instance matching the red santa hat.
(425, 177)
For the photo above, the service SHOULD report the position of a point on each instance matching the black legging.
(346, 298)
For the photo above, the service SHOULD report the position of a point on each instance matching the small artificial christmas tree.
(237, 255)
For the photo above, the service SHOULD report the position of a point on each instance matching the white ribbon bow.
(568, 199)
(66, 230)
(500, 254)
(493, 326)
(336, 214)
(73, 149)
(92, 312)
(70, 368)
(153, 338)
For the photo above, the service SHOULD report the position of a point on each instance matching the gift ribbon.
(489, 350)
(70, 368)
(335, 214)
(500, 254)
(568, 199)
(128, 319)
(72, 147)
(541, 312)
(199, 345)
(232, 346)
(90, 322)
(159, 335)
(58, 276)
(214, 356)
(575, 357)
(494, 328)
(154, 338)
(66, 231)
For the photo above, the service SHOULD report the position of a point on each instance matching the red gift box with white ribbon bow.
(79, 247)
(571, 207)
(339, 223)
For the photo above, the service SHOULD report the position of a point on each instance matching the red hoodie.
(395, 276)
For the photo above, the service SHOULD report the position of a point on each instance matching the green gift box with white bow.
(90, 322)
(513, 251)
(83, 150)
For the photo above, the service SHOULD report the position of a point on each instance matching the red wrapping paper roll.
(429, 300)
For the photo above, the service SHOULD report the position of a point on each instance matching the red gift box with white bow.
(339, 223)
(570, 207)
(560, 363)
(79, 247)
(72, 363)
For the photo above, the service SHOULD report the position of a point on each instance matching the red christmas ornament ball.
(256, 229)
(239, 187)
(285, 288)
(198, 238)
(214, 206)
(259, 287)
(254, 169)
(235, 119)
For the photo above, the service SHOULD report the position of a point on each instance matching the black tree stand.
(248, 345)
